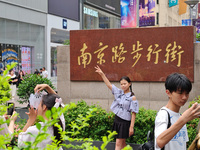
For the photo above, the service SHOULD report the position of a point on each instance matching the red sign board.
(143, 54)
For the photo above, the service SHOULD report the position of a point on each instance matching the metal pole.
(137, 13)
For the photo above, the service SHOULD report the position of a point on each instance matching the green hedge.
(102, 121)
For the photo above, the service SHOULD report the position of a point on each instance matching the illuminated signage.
(90, 12)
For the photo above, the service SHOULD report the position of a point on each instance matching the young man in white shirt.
(178, 87)
(44, 72)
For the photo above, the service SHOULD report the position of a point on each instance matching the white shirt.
(45, 74)
(25, 137)
(5, 128)
(178, 142)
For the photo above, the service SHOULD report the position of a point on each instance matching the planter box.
(110, 146)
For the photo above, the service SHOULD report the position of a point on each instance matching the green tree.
(26, 87)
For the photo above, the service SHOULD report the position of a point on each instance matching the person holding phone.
(178, 88)
(8, 129)
(50, 100)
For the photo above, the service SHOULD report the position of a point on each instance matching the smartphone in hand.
(11, 108)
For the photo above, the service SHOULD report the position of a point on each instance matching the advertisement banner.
(196, 23)
(128, 13)
(146, 13)
(173, 3)
(182, 7)
(186, 22)
(26, 59)
(9, 55)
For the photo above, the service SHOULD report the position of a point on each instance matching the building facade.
(100, 14)
(23, 33)
(169, 16)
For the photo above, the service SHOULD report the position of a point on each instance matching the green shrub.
(143, 123)
(102, 121)
(198, 36)
(26, 87)
(4, 97)
(99, 123)
(192, 125)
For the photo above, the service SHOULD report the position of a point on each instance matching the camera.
(11, 108)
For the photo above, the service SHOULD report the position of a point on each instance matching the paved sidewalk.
(17, 104)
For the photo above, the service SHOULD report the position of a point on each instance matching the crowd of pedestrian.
(43, 72)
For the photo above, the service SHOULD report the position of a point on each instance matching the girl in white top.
(48, 101)
(13, 82)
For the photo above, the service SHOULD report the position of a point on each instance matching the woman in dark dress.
(20, 77)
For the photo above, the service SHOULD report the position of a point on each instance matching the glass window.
(22, 43)
(24, 34)
(53, 62)
(2, 29)
(59, 36)
(97, 19)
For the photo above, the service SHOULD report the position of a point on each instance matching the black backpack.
(149, 145)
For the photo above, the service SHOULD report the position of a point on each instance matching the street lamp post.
(191, 3)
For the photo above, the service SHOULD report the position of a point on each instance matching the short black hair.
(40, 68)
(178, 82)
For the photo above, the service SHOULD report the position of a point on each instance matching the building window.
(16, 53)
(59, 36)
(157, 18)
(23, 43)
(97, 19)
(53, 62)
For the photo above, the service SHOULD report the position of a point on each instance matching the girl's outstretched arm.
(41, 87)
(105, 79)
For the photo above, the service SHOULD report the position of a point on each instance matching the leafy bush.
(192, 125)
(102, 121)
(26, 87)
(198, 36)
(4, 97)
(143, 123)
(99, 123)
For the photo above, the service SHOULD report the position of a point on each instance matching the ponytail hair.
(129, 81)
(132, 93)
(49, 101)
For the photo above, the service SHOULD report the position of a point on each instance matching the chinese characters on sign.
(172, 52)
(143, 54)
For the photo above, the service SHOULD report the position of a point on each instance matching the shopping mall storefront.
(101, 14)
(98, 19)
(23, 43)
